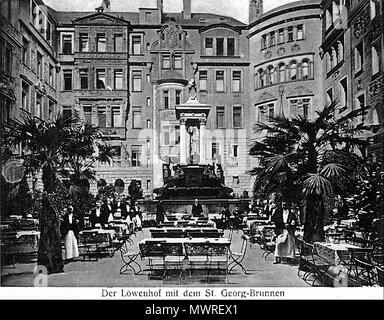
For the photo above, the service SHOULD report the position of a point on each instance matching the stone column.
(183, 142)
(203, 146)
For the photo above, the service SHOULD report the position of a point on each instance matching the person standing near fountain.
(197, 209)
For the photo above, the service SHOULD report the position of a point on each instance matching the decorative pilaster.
(203, 147)
(183, 142)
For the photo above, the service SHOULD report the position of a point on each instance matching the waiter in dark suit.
(98, 216)
(197, 209)
(285, 225)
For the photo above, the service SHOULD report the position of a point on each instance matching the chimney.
(160, 10)
(187, 10)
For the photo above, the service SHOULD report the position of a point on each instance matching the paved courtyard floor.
(105, 272)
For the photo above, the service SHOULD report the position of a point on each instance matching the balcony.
(112, 133)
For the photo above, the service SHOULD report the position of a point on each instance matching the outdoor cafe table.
(184, 241)
(334, 253)
(112, 233)
(184, 231)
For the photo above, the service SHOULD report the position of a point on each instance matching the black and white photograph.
(192, 150)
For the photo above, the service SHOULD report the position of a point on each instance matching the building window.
(102, 116)
(67, 112)
(209, 46)
(136, 80)
(83, 78)
(83, 42)
(329, 96)
(136, 119)
(51, 109)
(39, 65)
(116, 116)
(118, 42)
(166, 136)
(136, 45)
(101, 42)
(261, 78)
(148, 102)
(360, 103)
(340, 51)
(344, 93)
(237, 117)
(376, 54)
(359, 57)
(219, 81)
(235, 151)
(231, 46)
(67, 44)
(166, 99)
(136, 155)
(299, 107)
(282, 72)
(39, 106)
(87, 110)
(25, 103)
(178, 97)
(220, 117)
(281, 36)
(290, 34)
(203, 77)
(178, 62)
(300, 32)
(293, 70)
(219, 46)
(270, 75)
(264, 41)
(149, 185)
(374, 8)
(148, 16)
(51, 75)
(235, 180)
(305, 70)
(100, 79)
(166, 62)
(236, 81)
(148, 124)
(215, 150)
(26, 52)
(328, 62)
(118, 79)
(328, 19)
(272, 39)
(67, 74)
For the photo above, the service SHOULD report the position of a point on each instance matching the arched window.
(305, 69)
(271, 75)
(261, 78)
(282, 72)
(293, 70)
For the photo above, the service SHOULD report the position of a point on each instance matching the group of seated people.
(119, 209)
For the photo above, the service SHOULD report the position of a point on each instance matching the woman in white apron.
(69, 230)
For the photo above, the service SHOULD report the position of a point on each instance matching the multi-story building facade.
(286, 68)
(126, 72)
(29, 67)
(10, 45)
(366, 25)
